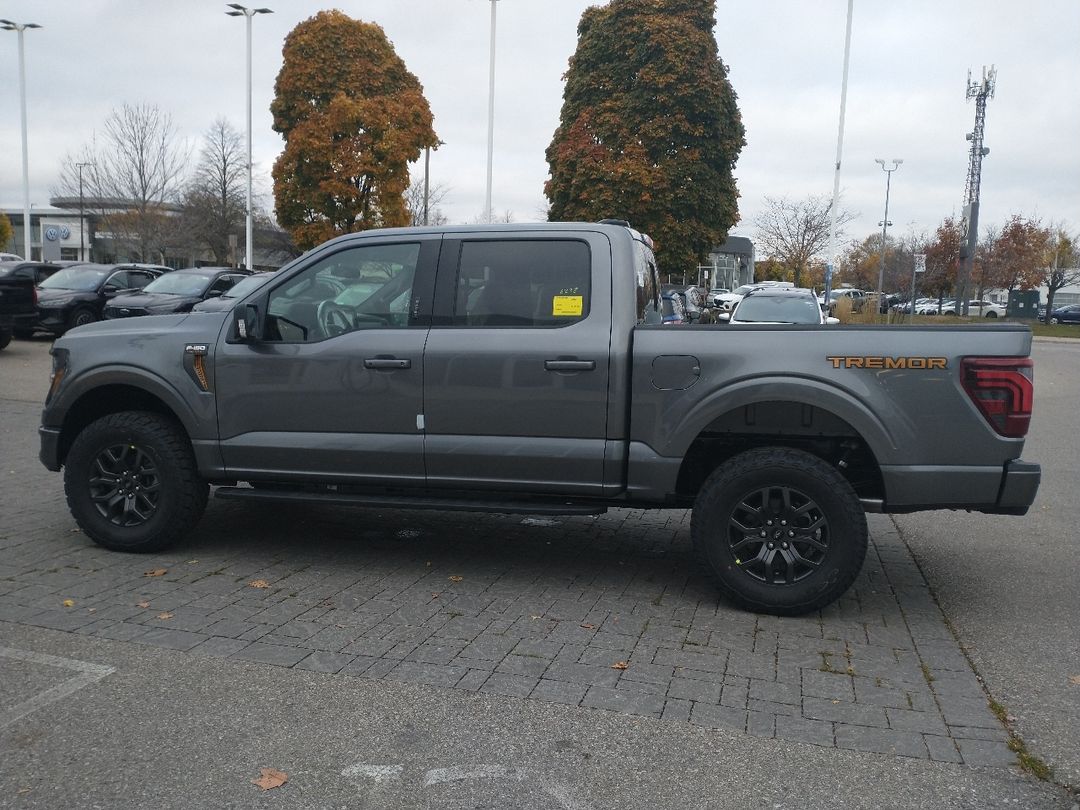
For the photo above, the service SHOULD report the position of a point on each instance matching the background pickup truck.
(18, 298)
(524, 369)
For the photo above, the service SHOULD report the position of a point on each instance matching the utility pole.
(981, 92)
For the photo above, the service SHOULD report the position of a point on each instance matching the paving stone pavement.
(605, 612)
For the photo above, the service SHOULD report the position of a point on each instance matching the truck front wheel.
(131, 482)
(781, 530)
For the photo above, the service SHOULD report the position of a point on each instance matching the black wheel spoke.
(124, 484)
(786, 531)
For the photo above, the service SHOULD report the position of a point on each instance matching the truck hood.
(140, 330)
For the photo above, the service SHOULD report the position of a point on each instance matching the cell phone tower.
(981, 92)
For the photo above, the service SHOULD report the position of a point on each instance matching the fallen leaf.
(192, 562)
(270, 779)
(166, 615)
(620, 665)
(258, 583)
(142, 604)
(1074, 680)
(456, 579)
(587, 626)
(91, 610)
(536, 617)
(23, 791)
(835, 702)
(434, 595)
(69, 603)
(157, 572)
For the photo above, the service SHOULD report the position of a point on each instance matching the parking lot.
(402, 658)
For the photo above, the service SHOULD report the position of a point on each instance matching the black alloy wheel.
(125, 485)
(778, 535)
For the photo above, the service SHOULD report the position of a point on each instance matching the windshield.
(744, 289)
(83, 279)
(180, 284)
(778, 309)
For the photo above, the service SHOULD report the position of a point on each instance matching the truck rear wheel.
(781, 531)
(132, 483)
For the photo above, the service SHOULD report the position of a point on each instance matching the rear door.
(517, 361)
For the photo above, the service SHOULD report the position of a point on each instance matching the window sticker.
(563, 306)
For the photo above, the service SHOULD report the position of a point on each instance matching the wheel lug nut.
(783, 523)
(790, 533)
(763, 533)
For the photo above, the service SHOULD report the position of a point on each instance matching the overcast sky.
(909, 64)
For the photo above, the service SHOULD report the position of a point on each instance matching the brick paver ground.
(603, 612)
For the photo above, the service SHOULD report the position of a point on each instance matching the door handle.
(387, 362)
(570, 365)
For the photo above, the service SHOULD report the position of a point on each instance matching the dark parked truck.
(525, 369)
(18, 299)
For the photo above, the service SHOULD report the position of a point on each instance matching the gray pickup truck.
(525, 369)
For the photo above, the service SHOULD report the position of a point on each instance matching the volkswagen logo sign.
(65, 232)
(52, 233)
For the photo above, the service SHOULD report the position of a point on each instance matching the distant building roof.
(736, 244)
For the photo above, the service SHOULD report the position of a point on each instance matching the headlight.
(59, 369)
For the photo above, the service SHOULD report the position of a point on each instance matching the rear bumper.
(1009, 489)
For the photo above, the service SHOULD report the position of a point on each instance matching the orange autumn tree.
(649, 129)
(353, 118)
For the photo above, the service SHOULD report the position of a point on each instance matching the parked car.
(76, 295)
(715, 293)
(728, 301)
(10, 257)
(228, 298)
(778, 305)
(986, 309)
(177, 291)
(857, 298)
(1066, 314)
(931, 306)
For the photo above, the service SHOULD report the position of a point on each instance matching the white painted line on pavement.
(381, 774)
(88, 673)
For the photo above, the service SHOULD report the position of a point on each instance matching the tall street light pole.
(82, 216)
(491, 115)
(248, 13)
(8, 25)
(885, 222)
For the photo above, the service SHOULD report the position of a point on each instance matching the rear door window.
(522, 283)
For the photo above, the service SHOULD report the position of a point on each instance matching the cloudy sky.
(909, 64)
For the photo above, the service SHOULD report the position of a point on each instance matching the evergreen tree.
(649, 130)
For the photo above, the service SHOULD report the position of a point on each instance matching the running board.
(405, 502)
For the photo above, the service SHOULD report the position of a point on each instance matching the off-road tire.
(132, 483)
(816, 540)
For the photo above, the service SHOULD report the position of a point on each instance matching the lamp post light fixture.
(885, 221)
(241, 11)
(19, 28)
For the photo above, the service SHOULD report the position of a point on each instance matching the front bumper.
(50, 447)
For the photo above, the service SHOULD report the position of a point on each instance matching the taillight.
(1003, 390)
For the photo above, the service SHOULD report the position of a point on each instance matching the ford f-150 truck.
(525, 369)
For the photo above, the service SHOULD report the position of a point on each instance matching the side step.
(406, 502)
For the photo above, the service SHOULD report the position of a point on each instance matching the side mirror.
(213, 294)
(725, 316)
(832, 321)
(247, 327)
(110, 289)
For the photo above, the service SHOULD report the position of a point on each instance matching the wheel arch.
(808, 414)
(117, 391)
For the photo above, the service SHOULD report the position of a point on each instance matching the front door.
(516, 366)
(333, 389)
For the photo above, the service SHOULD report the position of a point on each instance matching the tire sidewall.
(81, 317)
(846, 539)
(87, 446)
